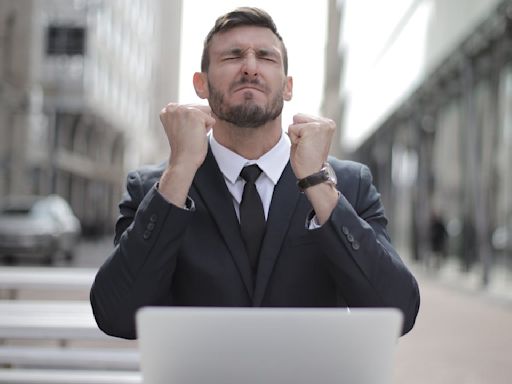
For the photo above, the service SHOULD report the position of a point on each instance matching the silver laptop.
(267, 345)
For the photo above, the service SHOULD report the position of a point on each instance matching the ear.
(200, 81)
(288, 89)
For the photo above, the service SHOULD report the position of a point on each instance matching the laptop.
(183, 345)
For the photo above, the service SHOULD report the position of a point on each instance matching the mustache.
(256, 83)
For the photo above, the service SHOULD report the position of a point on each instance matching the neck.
(250, 143)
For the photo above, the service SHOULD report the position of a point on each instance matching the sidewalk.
(460, 337)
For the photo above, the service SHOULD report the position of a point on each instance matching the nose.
(250, 67)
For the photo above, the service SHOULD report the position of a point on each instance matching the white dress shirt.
(271, 163)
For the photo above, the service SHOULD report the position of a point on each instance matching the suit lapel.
(211, 186)
(284, 200)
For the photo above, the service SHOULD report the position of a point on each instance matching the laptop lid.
(183, 345)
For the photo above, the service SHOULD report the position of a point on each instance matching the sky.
(380, 68)
(303, 26)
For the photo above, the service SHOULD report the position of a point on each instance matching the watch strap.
(314, 179)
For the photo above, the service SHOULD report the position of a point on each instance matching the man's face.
(246, 79)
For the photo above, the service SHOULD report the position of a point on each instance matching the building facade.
(431, 114)
(81, 86)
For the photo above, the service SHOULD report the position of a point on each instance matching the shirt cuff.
(312, 221)
(189, 203)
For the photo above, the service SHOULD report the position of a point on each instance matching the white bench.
(23, 356)
(66, 322)
(61, 320)
(29, 330)
(35, 323)
(54, 280)
(50, 376)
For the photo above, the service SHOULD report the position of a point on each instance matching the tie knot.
(250, 173)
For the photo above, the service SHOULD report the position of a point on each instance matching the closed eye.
(232, 54)
(267, 55)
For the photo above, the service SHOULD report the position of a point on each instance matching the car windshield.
(42, 208)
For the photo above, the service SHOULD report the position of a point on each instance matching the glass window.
(65, 40)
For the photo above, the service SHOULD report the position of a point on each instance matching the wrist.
(175, 183)
(182, 168)
(184, 164)
(325, 175)
(323, 198)
(307, 170)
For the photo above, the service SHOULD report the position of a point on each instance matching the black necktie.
(252, 216)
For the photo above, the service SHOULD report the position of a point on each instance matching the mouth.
(247, 87)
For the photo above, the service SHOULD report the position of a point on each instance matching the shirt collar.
(272, 163)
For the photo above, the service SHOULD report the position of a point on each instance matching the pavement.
(463, 334)
(91, 253)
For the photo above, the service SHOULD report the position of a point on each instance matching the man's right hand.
(186, 127)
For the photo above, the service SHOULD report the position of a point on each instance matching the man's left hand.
(311, 138)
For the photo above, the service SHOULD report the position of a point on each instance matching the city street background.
(420, 91)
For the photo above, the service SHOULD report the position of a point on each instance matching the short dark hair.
(242, 16)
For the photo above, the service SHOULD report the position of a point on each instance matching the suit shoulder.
(348, 167)
(354, 178)
(146, 174)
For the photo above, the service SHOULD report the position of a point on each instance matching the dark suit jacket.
(166, 255)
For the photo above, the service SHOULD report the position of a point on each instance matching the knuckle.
(328, 125)
(189, 109)
(171, 106)
(168, 109)
(318, 126)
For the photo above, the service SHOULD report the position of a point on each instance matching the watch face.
(331, 173)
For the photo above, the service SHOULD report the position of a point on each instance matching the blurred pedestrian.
(438, 238)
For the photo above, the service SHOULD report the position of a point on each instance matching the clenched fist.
(186, 127)
(311, 138)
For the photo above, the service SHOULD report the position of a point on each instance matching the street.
(93, 252)
(460, 337)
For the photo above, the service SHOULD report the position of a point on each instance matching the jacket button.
(355, 245)
(146, 235)
(350, 238)
(153, 218)
(151, 226)
(345, 230)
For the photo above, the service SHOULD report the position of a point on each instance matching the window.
(62, 40)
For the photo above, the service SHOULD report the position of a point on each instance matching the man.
(194, 232)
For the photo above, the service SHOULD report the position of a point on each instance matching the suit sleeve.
(364, 264)
(139, 271)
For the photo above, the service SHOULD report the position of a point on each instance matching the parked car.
(42, 227)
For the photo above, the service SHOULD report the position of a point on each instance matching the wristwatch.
(325, 175)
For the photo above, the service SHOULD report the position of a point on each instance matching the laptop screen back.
(267, 345)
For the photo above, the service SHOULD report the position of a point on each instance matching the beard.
(247, 114)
